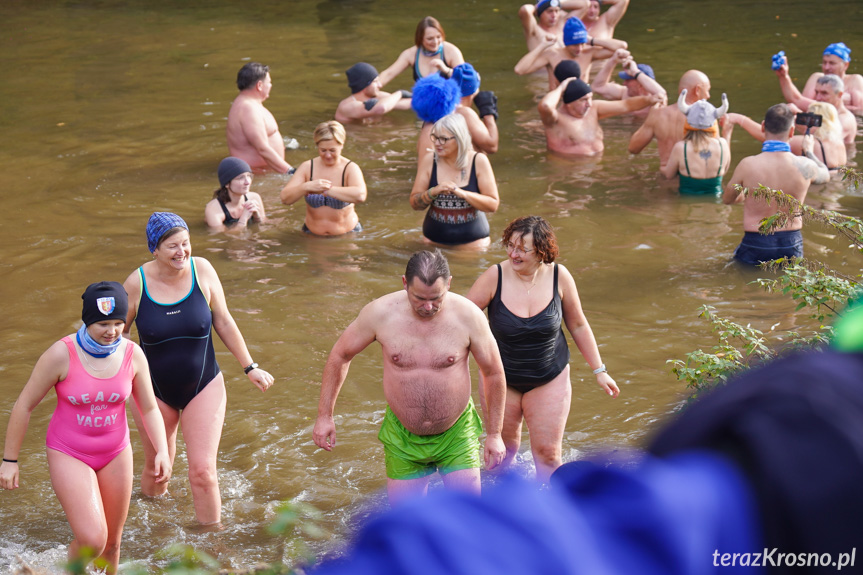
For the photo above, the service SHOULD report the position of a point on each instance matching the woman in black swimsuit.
(457, 186)
(330, 184)
(233, 204)
(529, 298)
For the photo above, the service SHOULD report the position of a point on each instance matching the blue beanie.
(467, 79)
(434, 97)
(230, 168)
(159, 224)
(839, 49)
(574, 32)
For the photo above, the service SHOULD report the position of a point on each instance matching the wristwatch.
(250, 367)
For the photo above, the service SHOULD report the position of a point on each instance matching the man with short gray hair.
(827, 88)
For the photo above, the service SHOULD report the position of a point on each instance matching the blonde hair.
(830, 128)
(456, 125)
(331, 130)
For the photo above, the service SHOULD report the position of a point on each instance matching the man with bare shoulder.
(638, 80)
(367, 100)
(431, 424)
(253, 134)
(577, 45)
(836, 60)
(826, 88)
(573, 128)
(779, 169)
(600, 24)
(665, 123)
(546, 17)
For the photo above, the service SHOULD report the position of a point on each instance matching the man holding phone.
(777, 168)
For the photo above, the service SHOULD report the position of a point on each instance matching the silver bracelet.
(600, 369)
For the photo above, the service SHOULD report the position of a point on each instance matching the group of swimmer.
(426, 332)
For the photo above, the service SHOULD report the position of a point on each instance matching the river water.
(110, 111)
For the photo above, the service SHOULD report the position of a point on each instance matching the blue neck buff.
(92, 347)
(428, 54)
(775, 146)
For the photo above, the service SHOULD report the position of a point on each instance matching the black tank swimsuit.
(533, 349)
(229, 219)
(450, 219)
(177, 340)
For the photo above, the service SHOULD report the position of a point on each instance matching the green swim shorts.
(410, 456)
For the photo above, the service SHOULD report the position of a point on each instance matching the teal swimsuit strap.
(417, 72)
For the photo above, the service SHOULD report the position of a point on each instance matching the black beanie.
(574, 90)
(567, 69)
(360, 75)
(104, 301)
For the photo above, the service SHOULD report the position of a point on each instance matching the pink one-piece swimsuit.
(89, 422)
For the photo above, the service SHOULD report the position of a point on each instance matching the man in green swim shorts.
(426, 335)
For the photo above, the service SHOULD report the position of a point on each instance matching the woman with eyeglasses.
(457, 186)
(529, 298)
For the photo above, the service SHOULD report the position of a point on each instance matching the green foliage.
(813, 285)
(293, 519)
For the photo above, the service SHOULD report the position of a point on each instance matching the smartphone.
(808, 119)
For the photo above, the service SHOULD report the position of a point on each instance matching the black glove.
(486, 103)
(406, 93)
(370, 103)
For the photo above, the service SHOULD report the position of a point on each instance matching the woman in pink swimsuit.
(89, 457)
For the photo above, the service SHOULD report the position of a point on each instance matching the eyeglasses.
(442, 140)
(513, 249)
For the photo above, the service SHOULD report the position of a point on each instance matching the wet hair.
(699, 139)
(222, 194)
(428, 22)
(832, 80)
(830, 128)
(544, 239)
(331, 130)
(778, 119)
(427, 267)
(250, 74)
(456, 125)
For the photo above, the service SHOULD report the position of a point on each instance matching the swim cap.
(644, 68)
(567, 69)
(574, 90)
(104, 301)
(159, 224)
(434, 97)
(467, 79)
(839, 49)
(230, 168)
(574, 32)
(360, 75)
(543, 5)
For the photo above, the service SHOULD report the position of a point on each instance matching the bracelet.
(637, 74)
(600, 369)
(591, 41)
(10, 460)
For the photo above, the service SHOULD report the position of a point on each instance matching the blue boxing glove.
(486, 103)
(778, 60)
